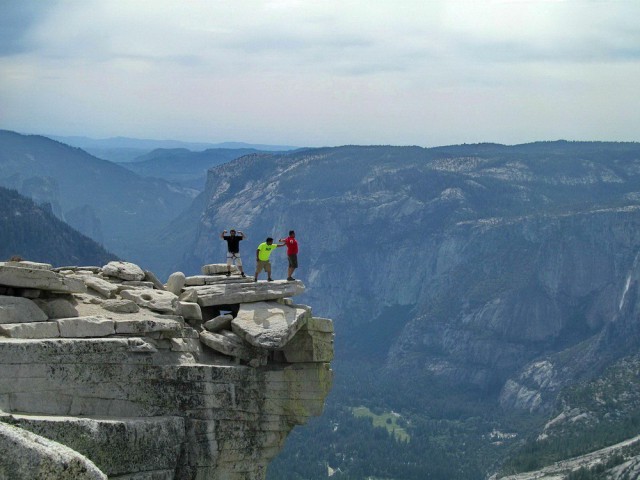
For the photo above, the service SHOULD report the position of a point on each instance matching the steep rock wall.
(133, 389)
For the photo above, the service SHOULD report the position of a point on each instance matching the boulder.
(246, 292)
(219, 323)
(103, 287)
(190, 296)
(123, 271)
(227, 346)
(190, 311)
(175, 282)
(20, 310)
(269, 325)
(118, 305)
(156, 300)
(41, 279)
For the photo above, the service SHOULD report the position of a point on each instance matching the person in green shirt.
(262, 257)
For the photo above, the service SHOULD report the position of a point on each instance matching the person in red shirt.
(292, 253)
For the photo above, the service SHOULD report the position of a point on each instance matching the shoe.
(228, 274)
(291, 279)
(269, 279)
(243, 275)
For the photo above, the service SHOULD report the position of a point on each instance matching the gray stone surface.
(269, 324)
(157, 300)
(123, 270)
(39, 279)
(19, 310)
(120, 306)
(60, 307)
(246, 292)
(27, 456)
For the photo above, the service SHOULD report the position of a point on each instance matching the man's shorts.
(263, 264)
(234, 258)
(293, 260)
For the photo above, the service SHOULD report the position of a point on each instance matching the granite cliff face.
(105, 371)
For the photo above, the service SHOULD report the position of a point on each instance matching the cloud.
(308, 71)
(16, 21)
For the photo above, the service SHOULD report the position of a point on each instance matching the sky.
(322, 72)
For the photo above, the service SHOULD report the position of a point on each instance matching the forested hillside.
(34, 233)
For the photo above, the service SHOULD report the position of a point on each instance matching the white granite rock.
(89, 326)
(103, 287)
(190, 311)
(175, 282)
(123, 270)
(39, 279)
(19, 310)
(269, 325)
(30, 330)
(29, 456)
(246, 292)
(156, 300)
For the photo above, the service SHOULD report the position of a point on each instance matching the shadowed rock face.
(136, 391)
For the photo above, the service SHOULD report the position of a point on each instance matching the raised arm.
(241, 233)
(222, 234)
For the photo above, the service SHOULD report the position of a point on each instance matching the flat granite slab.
(246, 292)
(269, 325)
(38, 278)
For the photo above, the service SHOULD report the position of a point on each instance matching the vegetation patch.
(388, 420)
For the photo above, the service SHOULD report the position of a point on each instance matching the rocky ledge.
(107, 372)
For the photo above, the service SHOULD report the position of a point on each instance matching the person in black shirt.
(233, 249)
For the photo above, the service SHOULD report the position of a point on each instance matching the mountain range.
(479, 291)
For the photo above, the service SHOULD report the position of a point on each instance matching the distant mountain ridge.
(182, 166)
(125, 149)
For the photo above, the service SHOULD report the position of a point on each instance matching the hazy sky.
(322, 72)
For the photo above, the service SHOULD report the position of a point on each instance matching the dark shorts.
(293, 260)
